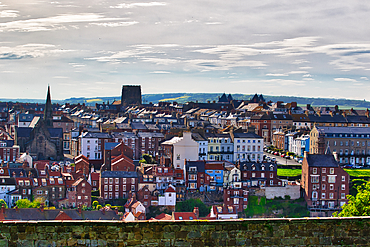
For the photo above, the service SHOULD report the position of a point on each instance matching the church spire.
(48, 113)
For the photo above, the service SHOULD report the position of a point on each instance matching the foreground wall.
(261, 232)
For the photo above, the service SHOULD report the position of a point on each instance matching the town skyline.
(292, 48)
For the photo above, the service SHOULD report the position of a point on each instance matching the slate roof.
(321, 160)
(247, 135)
(199, 164)
(26, 214)
(56, 132)
(150, 134)
(119, 174)
(96, 135)
(344, 130)
(110, 145)
(247, 166)
(23, 132)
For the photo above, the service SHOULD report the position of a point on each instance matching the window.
(117, 180)
(323, 187)
(332, 187)
(343, 178)
(331, 195)
(323, 178)
(323, 170)
(331, 179)
(110, 180)
(105, 187)
(323, 195)
(123, 180)
(343, 187)
(110, 187)
(271, 175)
(132, 180)
(314, 170)
(132, 187)
(124, 188)
(314, 179)
(253, 175)
(342, 195)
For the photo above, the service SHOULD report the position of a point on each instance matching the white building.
(169, 198)
(92, 144)
(7, 184)
(248, 147)
(184, 148)
(202, 145)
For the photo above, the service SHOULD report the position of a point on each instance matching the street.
(280, 160)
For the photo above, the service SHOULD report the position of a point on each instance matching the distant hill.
(204, 97)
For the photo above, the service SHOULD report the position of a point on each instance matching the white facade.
(90, 147)
(248, 147)
(169, 198)
(4, 189)
(185, 149)
(203, 149)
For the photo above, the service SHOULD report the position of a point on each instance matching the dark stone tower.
(131, 95)
(48, 113)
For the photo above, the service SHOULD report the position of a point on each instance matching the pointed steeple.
(48, 112)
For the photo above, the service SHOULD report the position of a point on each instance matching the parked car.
(347, 166)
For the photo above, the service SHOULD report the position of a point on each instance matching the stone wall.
(253, 232)
(294, 191)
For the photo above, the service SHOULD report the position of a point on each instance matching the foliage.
(354, 184)
(154, 211)
(108, 205)
(289, 172)
(188, 206)
(2, 202)
(94, 204)
(258, 206)
(25, 203)
(358, 205)
(147, 159)
(120, 208)
(358, 172)
(95, 193)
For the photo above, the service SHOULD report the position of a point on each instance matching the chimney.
(196, 212)
(79, 209)
(42, 207)
(335, 154)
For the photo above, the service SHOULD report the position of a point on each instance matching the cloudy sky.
(88, 48)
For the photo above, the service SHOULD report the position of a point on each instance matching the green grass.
(358, 172)
(289, 172)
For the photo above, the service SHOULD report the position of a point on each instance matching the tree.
(2, 202)
(358, 205)
(95, 204)
(24, 203)
(147, 159)
(188, 206)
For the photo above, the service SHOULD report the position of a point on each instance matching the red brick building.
(325, 183)
(259, 174)
(79, 194)
(237, 198)
(118, 184)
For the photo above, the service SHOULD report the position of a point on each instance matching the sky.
(90, 48)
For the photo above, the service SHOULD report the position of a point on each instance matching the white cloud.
(345, 80)
(52, 23)
(364, 78)
(135, 5)
(160, 72)
(116, 24)
(271, 74)
(8, 13)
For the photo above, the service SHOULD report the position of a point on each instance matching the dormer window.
(262, 167)
(1, 171)
(21, 183)
(253, 167)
